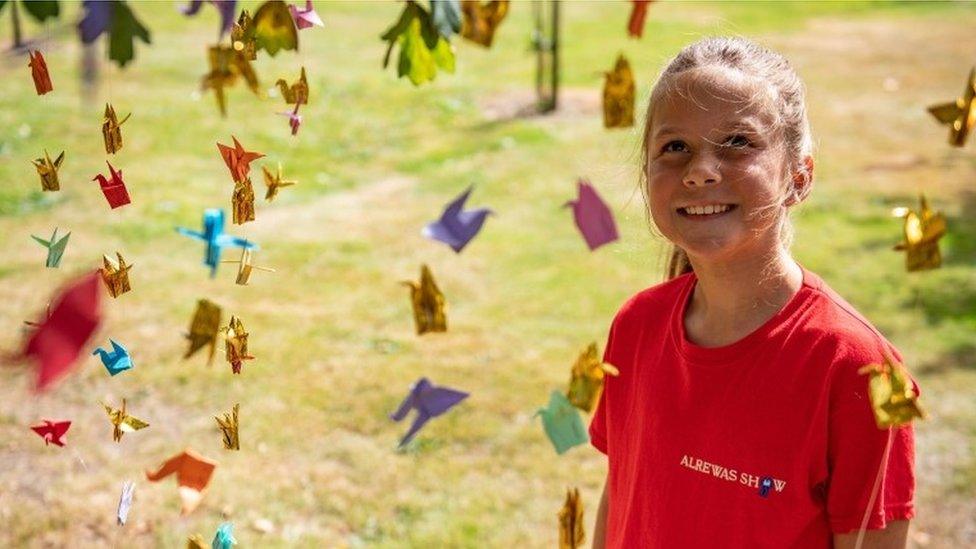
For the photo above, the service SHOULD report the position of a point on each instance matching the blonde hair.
(788, 104)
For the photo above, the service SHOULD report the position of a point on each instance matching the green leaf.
(124, 29)
(41, 10)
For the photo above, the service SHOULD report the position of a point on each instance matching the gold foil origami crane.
(242, 202)
(586, 383)
(123, 422)
(892, 393)
(428, 303)
(481, 20)
(228, 426)
(297, 93)
(204, 329)
(571, 533)
(115, 275)
(227, 64)
(242, 36)
(112, 131)
(235, 348)
(196, 541)
(960, 114)
(618, 96)
(274, 182)
(923, 229)
(245, 266)
(49, 171)
(39, 73)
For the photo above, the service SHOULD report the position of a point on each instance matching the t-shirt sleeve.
(598, 425)
(863, 459)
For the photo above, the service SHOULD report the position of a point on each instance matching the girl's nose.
(702, 170)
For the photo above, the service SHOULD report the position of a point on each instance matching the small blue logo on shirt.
(765, 485)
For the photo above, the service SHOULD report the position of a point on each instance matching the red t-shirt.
(767, 442)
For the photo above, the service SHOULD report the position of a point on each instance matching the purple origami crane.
(430, 402)
(457, 227)
(226, 8)
(294, 119)
(305, 18)
(593, 217)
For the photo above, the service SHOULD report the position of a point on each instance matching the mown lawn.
(375, 159)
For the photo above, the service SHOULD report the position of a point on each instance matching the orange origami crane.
(635, 25)
(49, 171)
(237, 159)
(42, 78)
(481, 20)
(111, 130)
(193, 473)
(115, 275)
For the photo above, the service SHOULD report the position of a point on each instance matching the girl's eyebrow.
(666, 130)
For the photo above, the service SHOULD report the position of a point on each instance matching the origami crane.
(571, 533)
(274, 182)
(457, 227)
(52, 431)
(235, 344)
(274, 28)
(226, 66)
(123, 422)
(242, 36)
(593, 217)
(57, 342)
(430, 401)
(635, 25)
(204, 328)
(481, 20)
(196, 541)
(115, 361)
(237, 159)
(618, 96)
(245, 266)
(960, 114)
(428, 303)
(242, 202)
(193, 473)
(55, 248)
(229, 427)
(226, 8)
(39, 72)
(49, 171)
(923, 229)
(114, 189)
(112, 131)
(562, 423)
(305, 18)
(224, 538)
(893, 395)
(215, 239)
(116, 18)
(423, 49)
(296, 93)
(294, 119)
(586, 383)
(125, 502)
(115, 275)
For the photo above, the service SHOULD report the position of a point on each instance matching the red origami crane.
(635, 27)
(193, 473)
(42, 78)
(52, 431)
(237, 159)
(114, 189)
(58, 341)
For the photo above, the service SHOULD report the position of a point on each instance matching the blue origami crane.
(430, 401)
(224, 539)
(118, 360)
(562, 423)
(215, 239)
(457, 227)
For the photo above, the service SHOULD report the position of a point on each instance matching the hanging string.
(874, 490)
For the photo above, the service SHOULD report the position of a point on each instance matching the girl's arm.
(600, 528)
(894, 536)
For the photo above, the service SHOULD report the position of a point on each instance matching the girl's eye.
(674, 146)
(737, 142)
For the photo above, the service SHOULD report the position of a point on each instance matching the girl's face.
(716, 168)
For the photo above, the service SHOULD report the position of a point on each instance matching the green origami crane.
(562, 423)
(423, 49)
(55, 248)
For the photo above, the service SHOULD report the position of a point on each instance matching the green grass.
(375, 159)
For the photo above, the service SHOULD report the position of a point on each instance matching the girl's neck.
(732, 299)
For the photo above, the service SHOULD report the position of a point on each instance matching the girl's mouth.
(709, 211)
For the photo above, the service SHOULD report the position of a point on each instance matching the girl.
(739, 418)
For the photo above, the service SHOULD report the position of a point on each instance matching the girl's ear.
(802, 182)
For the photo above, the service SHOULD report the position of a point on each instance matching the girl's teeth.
(706, 210)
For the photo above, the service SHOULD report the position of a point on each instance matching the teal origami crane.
(55, 248)
(562, 423)
(115, 361)
(224, 539)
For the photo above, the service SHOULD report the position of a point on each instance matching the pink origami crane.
(294, 119)
(305, 18)
(52, 431)
(114, 189)
(593, 217)
(58, 341)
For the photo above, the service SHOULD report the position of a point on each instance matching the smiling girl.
(739, 418)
